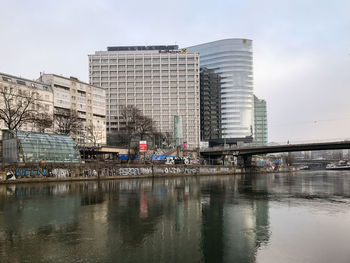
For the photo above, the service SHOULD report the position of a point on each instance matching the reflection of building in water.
(93, 226)
(212, 226)
(159, 220)
(35, 219)
(2, 197)
(53, 218)
(154, 221)
(33, 208)
(246, 227)
(233, 229)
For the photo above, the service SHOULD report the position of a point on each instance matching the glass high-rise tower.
(232, 59)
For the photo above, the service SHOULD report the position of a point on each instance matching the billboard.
(143, 146)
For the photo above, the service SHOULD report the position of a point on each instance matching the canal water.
(300, 217)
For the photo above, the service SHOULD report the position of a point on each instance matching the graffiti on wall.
(90, 173)
(129, 171)
(30, 172)
(144, 170)
(135, 171)
(167, 170)
(59, 173)
(109, 172)
(190, 170)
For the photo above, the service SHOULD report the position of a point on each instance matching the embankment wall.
(39, 172)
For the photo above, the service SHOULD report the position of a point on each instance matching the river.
(299, 217)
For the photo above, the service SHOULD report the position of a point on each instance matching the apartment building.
(88, 101)
(162, 81)
(18, 87)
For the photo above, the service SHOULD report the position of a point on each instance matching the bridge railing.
(308, 141)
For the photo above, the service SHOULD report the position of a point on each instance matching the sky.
(301, 48)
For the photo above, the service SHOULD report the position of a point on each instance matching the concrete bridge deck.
(253, 150)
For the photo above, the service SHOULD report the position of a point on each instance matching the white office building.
(161, 81)
(232, 59)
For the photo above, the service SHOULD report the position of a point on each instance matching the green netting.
(37, 147)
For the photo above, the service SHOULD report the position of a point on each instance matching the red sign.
(143, 146)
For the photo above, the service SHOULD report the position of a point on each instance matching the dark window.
(7, 79)
(21, 82)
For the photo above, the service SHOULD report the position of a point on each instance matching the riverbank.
(61, 172)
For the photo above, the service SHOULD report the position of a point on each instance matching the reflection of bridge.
(314, 163)
(247, 151)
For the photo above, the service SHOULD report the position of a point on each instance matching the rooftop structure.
(142, 48)
(6, 78)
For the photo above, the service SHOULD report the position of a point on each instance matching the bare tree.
(43, 121)
(94, 133)
(18, 106)
(67, 122)
(145, 127)
(130, 114)
(136, 125)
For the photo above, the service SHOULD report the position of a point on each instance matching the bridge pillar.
(247, 160)
(244, 161)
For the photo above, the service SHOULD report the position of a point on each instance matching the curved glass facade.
(232, 59)
(38, 147)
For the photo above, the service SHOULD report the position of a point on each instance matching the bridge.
(246, 152)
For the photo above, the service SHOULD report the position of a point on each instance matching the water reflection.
(185, 219)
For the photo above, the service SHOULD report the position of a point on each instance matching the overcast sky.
(301, 47)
